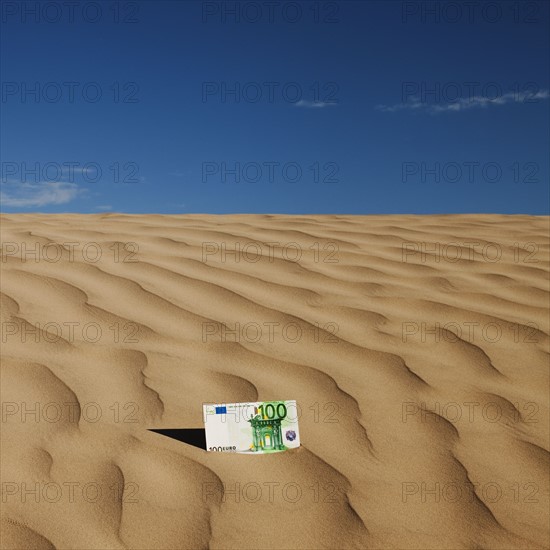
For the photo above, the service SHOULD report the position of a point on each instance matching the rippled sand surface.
(416, 347)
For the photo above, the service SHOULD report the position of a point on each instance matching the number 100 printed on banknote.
(261, 427)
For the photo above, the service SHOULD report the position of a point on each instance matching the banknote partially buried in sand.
(260, 427)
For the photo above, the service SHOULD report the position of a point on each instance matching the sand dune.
(416, 346)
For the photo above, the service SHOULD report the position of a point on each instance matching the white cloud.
(314, 104)
(463, 104)
(27, 195)
(104, 207)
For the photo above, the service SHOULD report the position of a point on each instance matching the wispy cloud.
(314, 104)
(104, 207)
(463, 104)
(28, 195)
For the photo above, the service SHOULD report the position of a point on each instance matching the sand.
(416, 347)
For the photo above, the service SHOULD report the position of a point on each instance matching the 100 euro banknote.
(261, 427)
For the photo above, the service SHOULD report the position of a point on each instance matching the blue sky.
(300, 108)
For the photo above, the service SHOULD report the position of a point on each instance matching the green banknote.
(256, 428)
